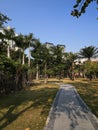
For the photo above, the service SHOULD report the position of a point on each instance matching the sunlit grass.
(88, 90)
(27, 109)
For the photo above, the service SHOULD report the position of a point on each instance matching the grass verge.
(88, 91)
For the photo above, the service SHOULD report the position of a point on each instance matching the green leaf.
(75, 6)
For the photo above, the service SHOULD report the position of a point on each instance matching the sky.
(50, 21)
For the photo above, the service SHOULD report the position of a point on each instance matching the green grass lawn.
(30, 108)
(27, 109)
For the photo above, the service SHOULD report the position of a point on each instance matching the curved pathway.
(69, 112)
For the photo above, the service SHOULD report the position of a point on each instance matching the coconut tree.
(88, 52)
(9, 34)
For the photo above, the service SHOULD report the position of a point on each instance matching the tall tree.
(91, 69)
(9, 34)
(29, 40)
(2, 43)
(24, 42)
(46, 58)
(80, 7)
(20, 43)
(88, 52)
(70, 61)
(36, 54)
(57, 53)
(3, 19)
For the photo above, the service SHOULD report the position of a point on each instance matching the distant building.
(82, 60)
(49, 45)
(62, 46)
(94, 59)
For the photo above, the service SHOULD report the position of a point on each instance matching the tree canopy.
(81, 6)
(88, 52)
(43, 61)
(3, 19)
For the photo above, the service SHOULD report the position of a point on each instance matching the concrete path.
(69, 112)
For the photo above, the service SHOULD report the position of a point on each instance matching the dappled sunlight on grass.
(30, 108)
(27, 109)
(88, 90)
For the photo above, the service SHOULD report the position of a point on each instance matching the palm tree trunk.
(37, 73)
(20, 59)
(73, 75)
(46, 78)
(8, 51)
(29, 60)
(23, 59)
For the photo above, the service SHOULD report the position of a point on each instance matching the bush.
(12, 75)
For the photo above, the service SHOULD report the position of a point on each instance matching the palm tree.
(88, 52)
(9, 34)
(29, 40)
(57, 53)
(70, 60)
(2, 44)
(35, 53)
(22, 42)
(2, 36)
(42, 56)
(46, 60)
(19, 43)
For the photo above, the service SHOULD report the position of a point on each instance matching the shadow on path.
(69, 112)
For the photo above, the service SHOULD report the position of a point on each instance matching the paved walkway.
(69, 112)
